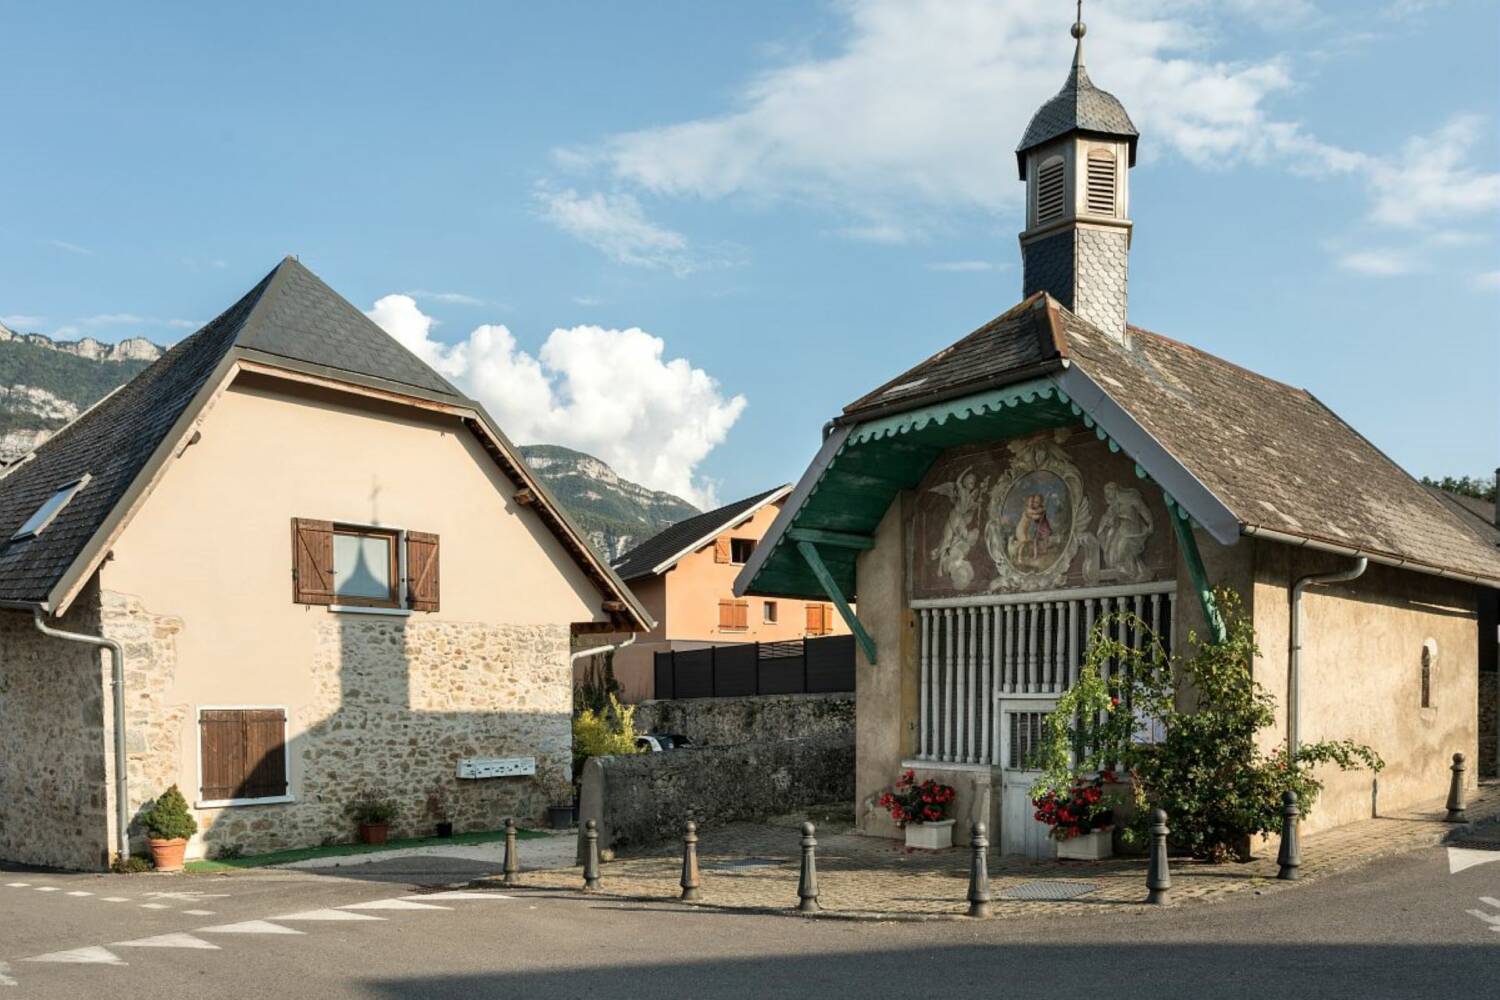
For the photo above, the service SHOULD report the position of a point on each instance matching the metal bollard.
(1456, 806)
(807, 882)
(690, 863)
(979, 871)
(591, 856)
(512, 860)
(1289, 858)
(1158, 878)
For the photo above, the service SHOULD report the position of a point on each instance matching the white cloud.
(609, 392)
(1433, 180)
(960, 266)
(71, 247)
(616, 225)
(447, 298)
(1378, 262)
(22, 321)
(1487, 280)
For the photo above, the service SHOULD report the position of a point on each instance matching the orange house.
(685, 577)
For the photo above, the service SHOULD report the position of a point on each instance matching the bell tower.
(1075, 158)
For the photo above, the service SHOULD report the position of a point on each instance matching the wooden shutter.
(742, 614)
(243, 753)
(726, 614)
(312, 561)
(721, 550)
(421, 571)
(814, 619)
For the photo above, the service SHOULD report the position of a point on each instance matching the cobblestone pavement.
(754, 867)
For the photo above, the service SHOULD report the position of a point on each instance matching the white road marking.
(458, 894)
(155, 906)
(5, 980)
(80, 956)
(80, 892)
(199, 913)
(191, 896)
(114, 899)
(326, 915)
(46, 888)
(1461, 858)
(168, 941)
(249, 927)
(393, 904)
(16, 885)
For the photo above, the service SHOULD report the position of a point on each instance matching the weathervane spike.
(1079, 30)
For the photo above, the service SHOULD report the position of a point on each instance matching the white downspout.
(596, 650)
(117, 675)
(1293, 686)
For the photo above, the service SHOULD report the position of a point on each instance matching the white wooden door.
(1020, 731)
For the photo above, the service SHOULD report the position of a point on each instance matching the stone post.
(591, 856)
(1456, 806)
(1289, 858)
(1158, 878)
(979, 871)
(690, 863)
(807, 882)
(512, 860)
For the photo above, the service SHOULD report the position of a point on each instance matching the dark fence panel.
(823, 665)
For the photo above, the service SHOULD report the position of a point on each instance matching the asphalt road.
(1399, 928)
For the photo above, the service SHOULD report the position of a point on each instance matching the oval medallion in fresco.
(1033, 523)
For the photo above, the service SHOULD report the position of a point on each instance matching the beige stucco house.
(314, 569)
(1059, 464)
(684, 577)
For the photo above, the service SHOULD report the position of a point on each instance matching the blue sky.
(683, 235)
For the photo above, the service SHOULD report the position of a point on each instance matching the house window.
(1049, 190)
(1101, 182)
(734, 616)
(819, 619)
(740, 549)
(365, 570)
(49, 509)
(768, 612)
(242, 756)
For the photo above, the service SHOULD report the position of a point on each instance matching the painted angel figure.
(1123, 531)
(961, 530)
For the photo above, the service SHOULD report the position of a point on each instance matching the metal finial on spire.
(1079, 30)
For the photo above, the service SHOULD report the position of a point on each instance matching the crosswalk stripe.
(114, 899)
(6, 980)
(16, 885)
(1490, 901)
(249, 927)
(1461, 858)
(326, 915)
(154, 906)
(458, 894)
(199, 913)
(81, 956)
(168, 941)
(1489, 918)
(80, 892)
(46, 888)
(393, 904)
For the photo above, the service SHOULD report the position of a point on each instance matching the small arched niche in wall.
(1429, 664)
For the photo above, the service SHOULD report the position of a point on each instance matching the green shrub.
(372, 810)
(1206, 769)
(603, 733)
(169, 818)
(132, 865)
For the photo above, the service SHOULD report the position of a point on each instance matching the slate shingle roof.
(670, 541)
(1272, 454)
(1478, 515)
(1078, 107)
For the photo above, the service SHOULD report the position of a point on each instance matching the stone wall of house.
(1489, 681)
(54, 700)
(395, 703)
(645, 799)
(728, 721)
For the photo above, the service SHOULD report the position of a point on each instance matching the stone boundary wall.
(730, 721)
(644, 799)
(1488, 682)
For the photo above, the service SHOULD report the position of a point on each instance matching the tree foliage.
(603, 733)
(1478, 487)
(169, 818)
(1202, 763)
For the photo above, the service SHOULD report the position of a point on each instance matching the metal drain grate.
(1048, 890)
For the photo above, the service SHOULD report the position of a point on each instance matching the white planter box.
(930, 836)
(1094, 846)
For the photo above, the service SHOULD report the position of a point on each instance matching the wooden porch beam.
(839, 539)
(815, 563)
(1194, 559)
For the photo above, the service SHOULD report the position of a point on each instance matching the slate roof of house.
(672, 543)
(1478, 514)
(1272, 454)
(290, 314)
(1078, 107)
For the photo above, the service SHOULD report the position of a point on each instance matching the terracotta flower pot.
(373, 833)
(167, 855)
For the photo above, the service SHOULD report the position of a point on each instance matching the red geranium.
(912, 801)
(1081, 809)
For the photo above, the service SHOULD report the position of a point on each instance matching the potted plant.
(920, 808)
(373, 814)
(1081, 818)
(168, 825)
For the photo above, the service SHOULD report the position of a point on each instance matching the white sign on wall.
(496, 767)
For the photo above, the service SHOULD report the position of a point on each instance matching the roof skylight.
(48, 510)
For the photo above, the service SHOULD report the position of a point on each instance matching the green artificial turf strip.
(339, 850)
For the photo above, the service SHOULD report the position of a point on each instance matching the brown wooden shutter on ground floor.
(312, 561)
(819, 619)
(421, 571)
(243, 753)
(734, 615)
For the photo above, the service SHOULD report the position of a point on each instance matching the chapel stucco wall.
(1361, 676)
(54, 700)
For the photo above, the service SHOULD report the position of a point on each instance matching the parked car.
(657, 742)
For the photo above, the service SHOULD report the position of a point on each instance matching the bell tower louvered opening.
(1100, 194)
(1051, 195)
